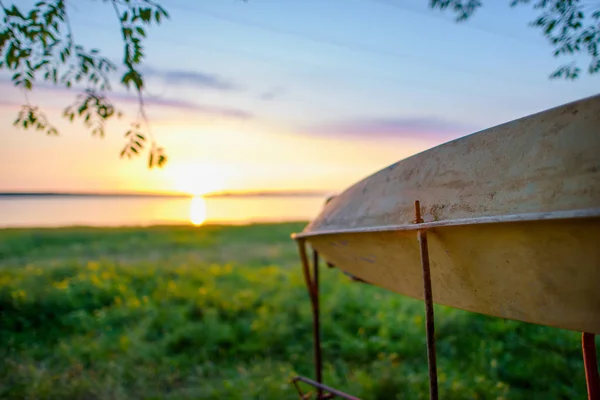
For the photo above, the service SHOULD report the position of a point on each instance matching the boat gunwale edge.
(509, 218)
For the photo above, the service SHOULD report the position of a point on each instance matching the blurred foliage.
(222, 313)
(571, 27)
(38, 45)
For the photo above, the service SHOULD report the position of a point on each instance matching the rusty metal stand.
(312, 283)
(588, 346)
(325, 392)
(428, 297)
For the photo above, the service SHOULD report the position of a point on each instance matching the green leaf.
(146, 14)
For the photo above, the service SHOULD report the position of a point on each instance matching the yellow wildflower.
(95, 280)
(118, 301)
(442, 377)
(270, 271)
(93, 266)
(62, 284)
(134, 302)
(18, 294)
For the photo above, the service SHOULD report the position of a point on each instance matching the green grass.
(222, 313)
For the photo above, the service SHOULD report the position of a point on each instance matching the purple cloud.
(409, 127)
(195, 78)
(132, 98)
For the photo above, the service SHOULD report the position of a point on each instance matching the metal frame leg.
(428, 296)
(590, 361)
(312, 284)
(317, 324)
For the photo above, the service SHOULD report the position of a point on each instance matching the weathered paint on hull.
(513, 219)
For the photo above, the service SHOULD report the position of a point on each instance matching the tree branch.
(70, 36)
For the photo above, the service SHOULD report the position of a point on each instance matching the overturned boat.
(512, 215)
(503, 222)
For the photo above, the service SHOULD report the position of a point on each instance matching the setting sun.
(197, 211)
(198, 179)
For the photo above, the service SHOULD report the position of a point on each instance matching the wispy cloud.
(198, 79)
(206, 110)
(394, 128)
(273, 93)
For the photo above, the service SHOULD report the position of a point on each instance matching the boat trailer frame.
(323, 391)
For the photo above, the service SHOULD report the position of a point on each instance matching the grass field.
(222, 313)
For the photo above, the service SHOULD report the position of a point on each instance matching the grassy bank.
(222, 313)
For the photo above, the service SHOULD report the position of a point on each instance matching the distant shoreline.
(160, 195)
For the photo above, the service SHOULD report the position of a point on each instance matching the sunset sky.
(290, 95)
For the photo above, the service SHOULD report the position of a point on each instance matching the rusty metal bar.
(316, 324)
(305, 269)
(590, 361)
(322, 387)
(312, 284)
(428, 297)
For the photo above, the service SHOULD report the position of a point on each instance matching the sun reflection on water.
(197, 210)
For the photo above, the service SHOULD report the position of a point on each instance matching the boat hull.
(516, 270)
(512, 215)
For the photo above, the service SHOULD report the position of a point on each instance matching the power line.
(348, 46)
(432, 15)
(172, 41)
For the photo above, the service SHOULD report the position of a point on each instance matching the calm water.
(55, 211)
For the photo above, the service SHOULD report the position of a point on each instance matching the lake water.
(54, 211)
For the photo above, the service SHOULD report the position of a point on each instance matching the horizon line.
(250, 193)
